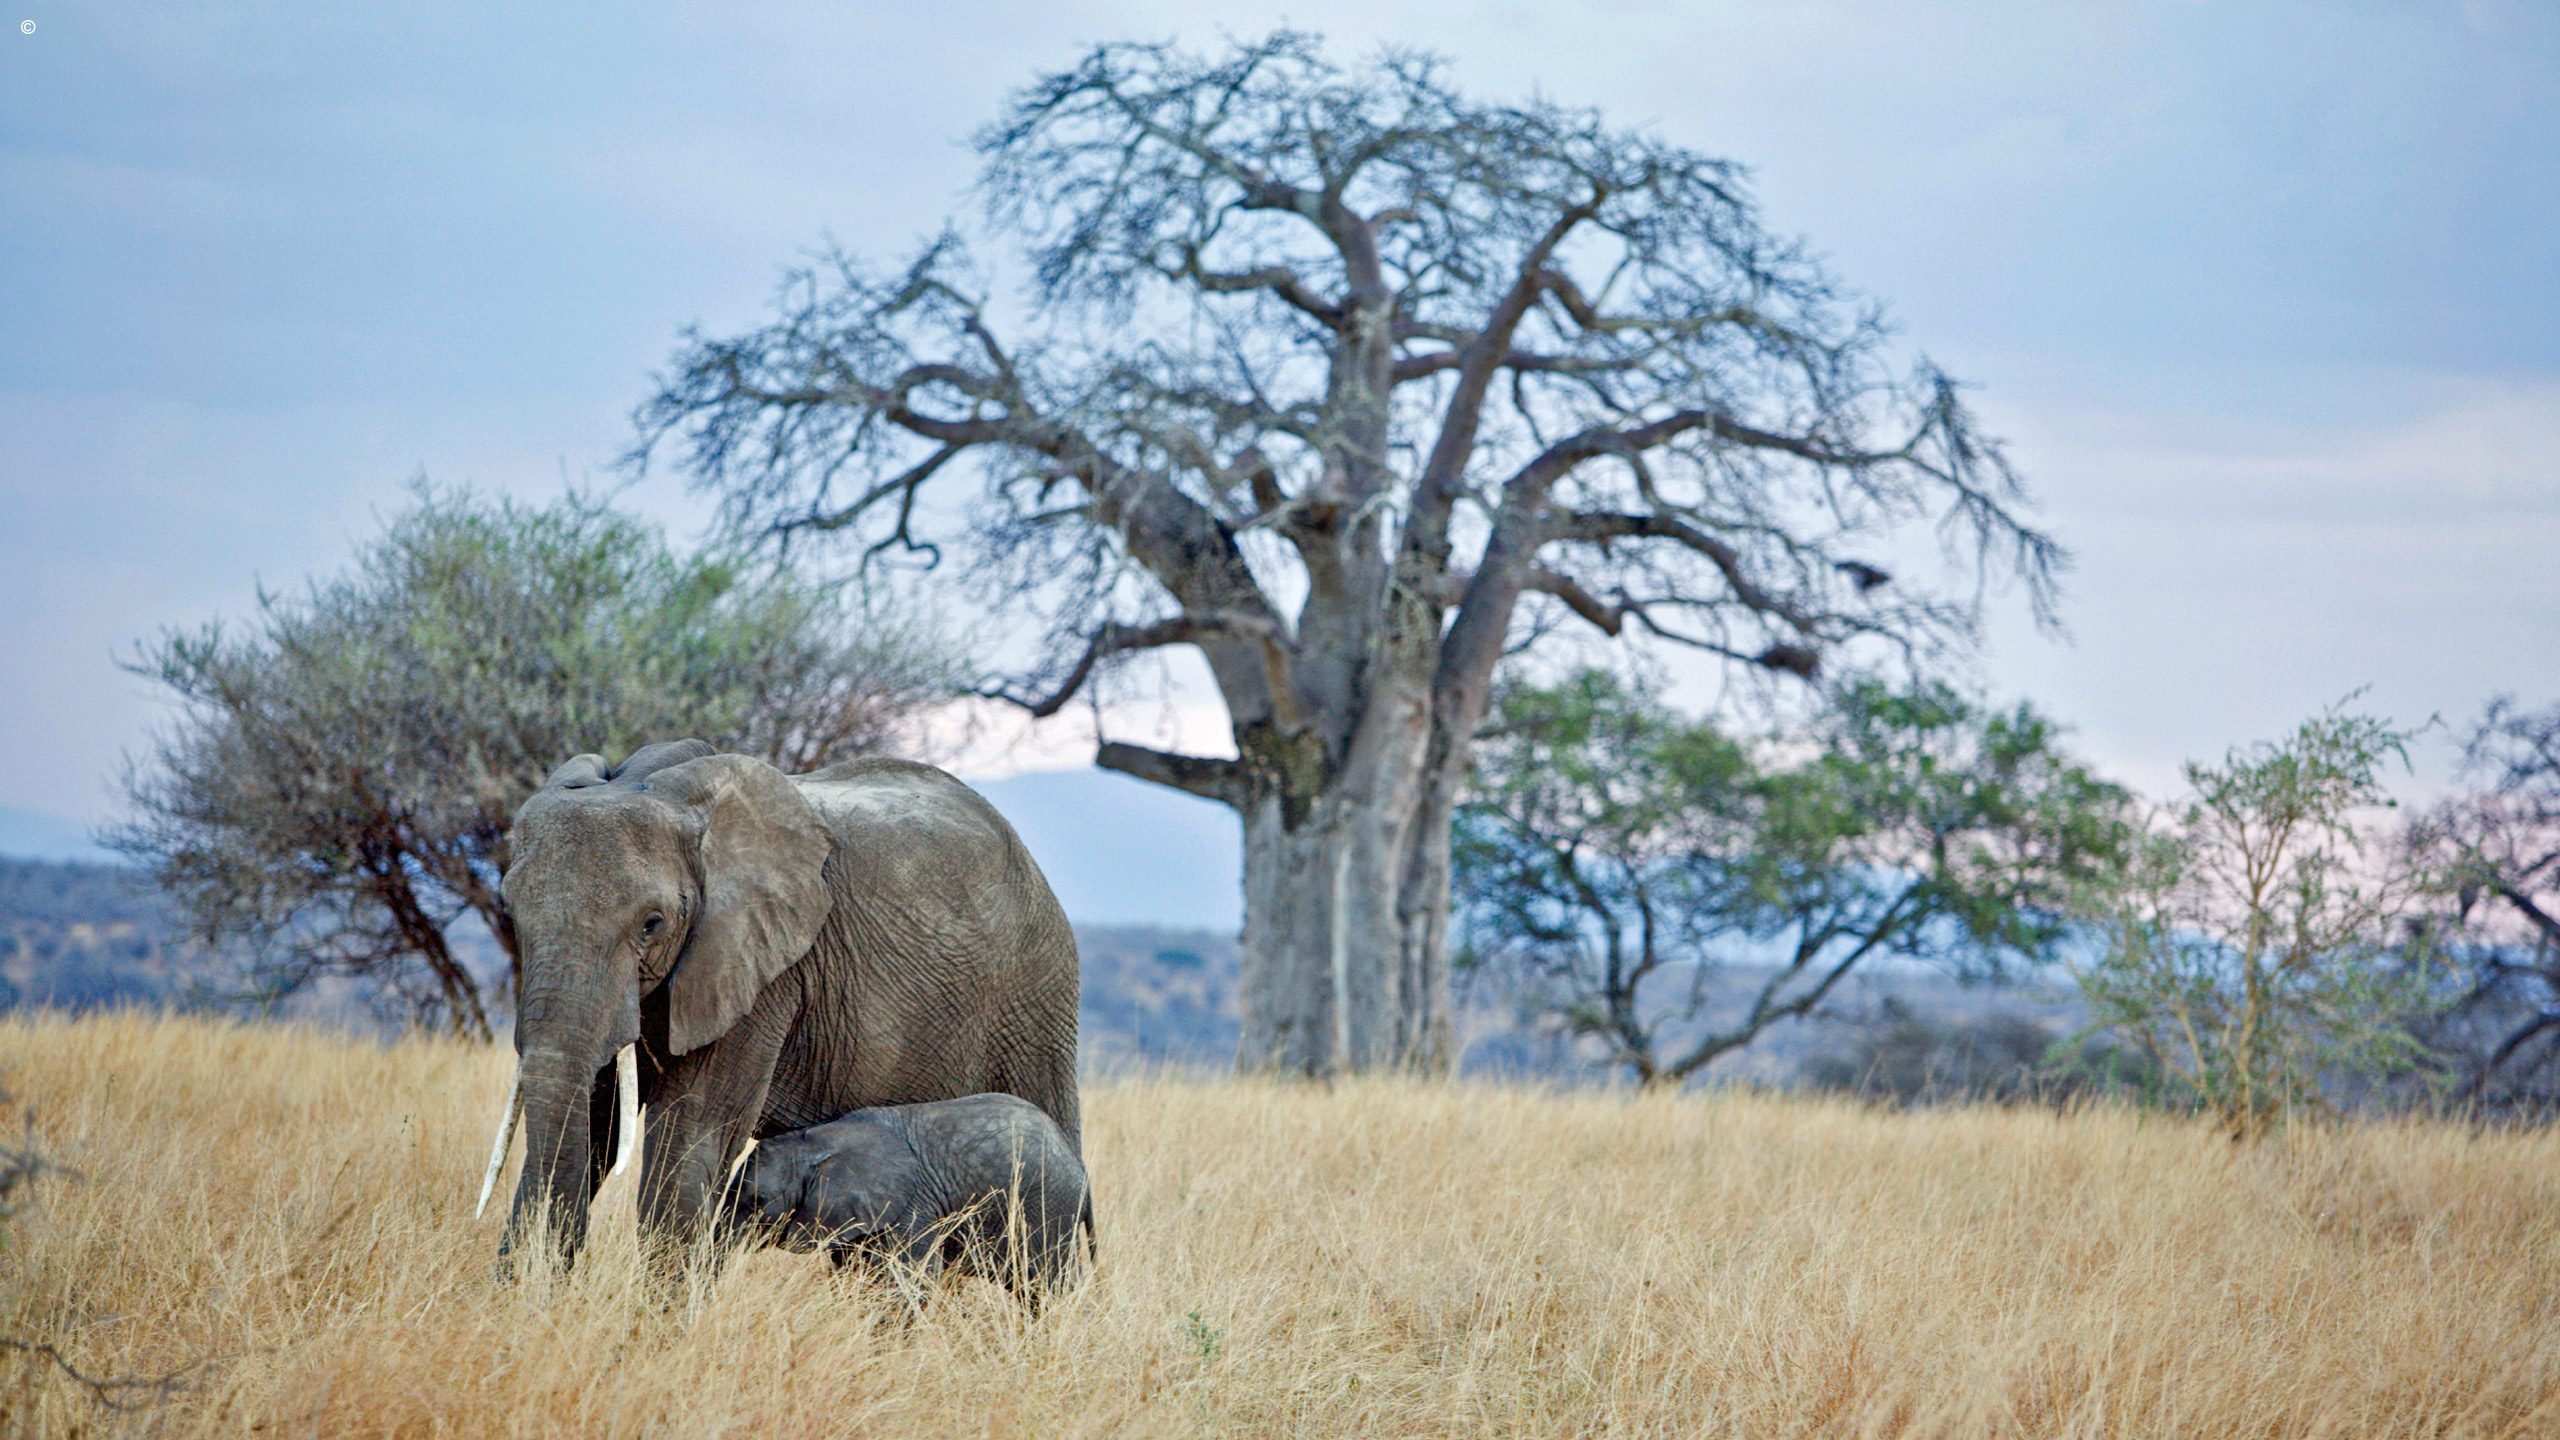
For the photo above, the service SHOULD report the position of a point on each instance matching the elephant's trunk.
(626, 1083)
(557, 1152)
(576, 1014)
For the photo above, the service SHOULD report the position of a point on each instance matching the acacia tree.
(339, 781)
(1619, 865)
(1354, 383)
(2264, 939)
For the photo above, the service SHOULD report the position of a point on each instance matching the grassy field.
(288, 1218)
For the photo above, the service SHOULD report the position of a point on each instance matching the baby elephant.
(930, 1185)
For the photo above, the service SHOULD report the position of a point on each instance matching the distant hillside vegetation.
(77, 936)
(1156, 996)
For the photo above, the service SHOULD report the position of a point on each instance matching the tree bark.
(1347, 891)
(1286, 989)
(1344, 946)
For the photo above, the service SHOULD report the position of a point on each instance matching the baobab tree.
(1357, 385)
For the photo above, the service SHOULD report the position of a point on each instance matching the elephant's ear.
(764, 894)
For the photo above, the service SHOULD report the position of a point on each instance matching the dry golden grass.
(294, 1213)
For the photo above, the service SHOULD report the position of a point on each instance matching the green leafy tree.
(1617, 860)
(2264, 936)
(1355, 384)
(340, 777)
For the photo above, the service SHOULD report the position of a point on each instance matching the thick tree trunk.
(1339, 976)
(1426, 1040)
(1345, 966)
(1287, 989)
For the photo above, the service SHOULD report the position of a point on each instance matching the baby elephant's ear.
(764, 895)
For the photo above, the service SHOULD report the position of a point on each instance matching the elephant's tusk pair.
(626, 1130)
(626, 1085)
(498, 1152)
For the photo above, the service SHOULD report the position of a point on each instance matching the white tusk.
(626, 1128)
(498, 1152)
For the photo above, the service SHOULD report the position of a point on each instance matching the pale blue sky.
(2267, 296)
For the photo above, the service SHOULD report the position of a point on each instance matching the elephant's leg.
(702, 1114)
(1054, 1231)
(923, 1247)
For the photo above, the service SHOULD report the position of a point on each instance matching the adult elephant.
(747, 953)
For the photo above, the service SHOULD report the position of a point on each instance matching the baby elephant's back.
(989, 1145)
(985, 1181)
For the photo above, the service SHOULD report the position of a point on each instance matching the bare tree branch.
(1767, 1009)
(1114, 639)
(1482, 355)
(1604, 528)
(1208, 777)
(1604, 616)
(1419, 367)
(1278, 280)
(122, 1392)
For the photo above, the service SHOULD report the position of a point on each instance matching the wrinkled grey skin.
(927, 1185)
(783, 950)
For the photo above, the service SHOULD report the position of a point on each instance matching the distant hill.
(80, 936)
(1155, 996)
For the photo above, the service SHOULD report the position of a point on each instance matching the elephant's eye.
(650, 927)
